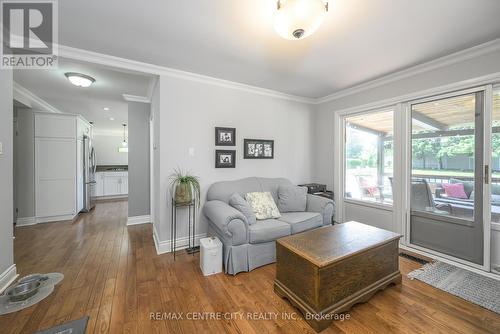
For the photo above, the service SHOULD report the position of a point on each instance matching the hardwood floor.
(113, 275)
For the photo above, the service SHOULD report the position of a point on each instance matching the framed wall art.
(225, 158)
(258, 149)
(225, 136)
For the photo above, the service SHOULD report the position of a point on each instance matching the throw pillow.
(262, 204)
(455, 190)
(292, 198)
(239, 203)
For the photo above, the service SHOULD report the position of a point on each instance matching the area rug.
(475, 288)
(72, 327)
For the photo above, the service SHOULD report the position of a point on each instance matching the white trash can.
(210, 256)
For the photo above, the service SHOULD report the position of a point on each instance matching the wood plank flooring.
(113, 275)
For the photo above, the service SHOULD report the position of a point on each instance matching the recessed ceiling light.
(80, 80)
(297, 19)
(105, 108)
(111, 119)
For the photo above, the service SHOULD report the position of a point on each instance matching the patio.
(442, 154)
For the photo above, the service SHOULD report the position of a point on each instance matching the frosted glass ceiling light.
(297, 19)
(80, 80)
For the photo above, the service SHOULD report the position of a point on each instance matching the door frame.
(486, 157)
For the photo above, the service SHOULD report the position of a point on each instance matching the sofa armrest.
(321, 205)
(231, 223)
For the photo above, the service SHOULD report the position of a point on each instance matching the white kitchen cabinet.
(112, 184)
(99, 187)
(58, 169)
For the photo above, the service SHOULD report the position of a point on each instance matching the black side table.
(192, 249)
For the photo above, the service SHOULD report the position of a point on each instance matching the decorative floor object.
(475, 288)
(46, 288)
(72, 327)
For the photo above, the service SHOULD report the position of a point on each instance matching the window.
(369, 156)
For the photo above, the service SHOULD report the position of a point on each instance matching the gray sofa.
(248, 246)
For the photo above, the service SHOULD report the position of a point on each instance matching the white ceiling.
(359, 40)
(53, 87)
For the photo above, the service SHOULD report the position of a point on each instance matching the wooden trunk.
(326, 271)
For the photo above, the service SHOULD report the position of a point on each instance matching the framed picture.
(225, 158)
(225, 136)
(258, 149)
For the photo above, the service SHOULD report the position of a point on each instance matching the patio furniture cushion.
(239, 203)
(263, 205)
(302, 221)
(455, 190)
(268, 230)
(468, 185)
(292, 198)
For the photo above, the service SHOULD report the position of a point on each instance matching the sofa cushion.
(239, 203)
(302, 221)
(455, 190)
(268, 230)
(263, 205)
(292, 198)
(468, 185)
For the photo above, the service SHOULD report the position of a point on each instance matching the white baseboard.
(25, 221)
(40, 220)
(7, 277)
(163, 247)
(139, 220)
(28, 221)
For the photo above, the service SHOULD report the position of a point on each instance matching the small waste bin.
(210, 256)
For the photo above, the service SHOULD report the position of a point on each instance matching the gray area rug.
(475, 288)
(72, 327)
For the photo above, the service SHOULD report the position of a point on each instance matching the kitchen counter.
(112, 168)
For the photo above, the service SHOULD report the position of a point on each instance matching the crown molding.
(135, 98)
(34, 99)
(132, 65)
(107, 60)
(447, 60)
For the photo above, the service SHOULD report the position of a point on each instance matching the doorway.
(448, 175)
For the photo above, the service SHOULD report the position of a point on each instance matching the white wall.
(106, 147)
(189, 113)
(6, 175)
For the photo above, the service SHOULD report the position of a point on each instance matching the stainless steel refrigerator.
(89, 169)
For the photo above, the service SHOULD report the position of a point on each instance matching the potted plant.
(184, 187)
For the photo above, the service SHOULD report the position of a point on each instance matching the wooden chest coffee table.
(326, 271)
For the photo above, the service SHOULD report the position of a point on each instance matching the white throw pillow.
(262, 204)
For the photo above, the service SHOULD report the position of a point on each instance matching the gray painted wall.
(138, 159)
(189, 113)
(25, 163)
(6, 172)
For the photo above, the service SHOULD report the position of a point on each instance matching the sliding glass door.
(447, 175)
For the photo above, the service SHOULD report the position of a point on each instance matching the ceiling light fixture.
(105, 109)
(111, 118)
(297, 19)
(124, 142)
(80, 80)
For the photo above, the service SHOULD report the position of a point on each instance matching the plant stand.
(192, 248)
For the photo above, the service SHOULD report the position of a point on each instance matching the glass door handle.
(486, 174)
